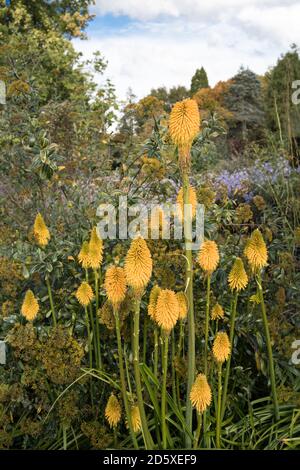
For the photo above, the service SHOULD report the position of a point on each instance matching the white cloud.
(168, 39)
(195, 9)
(280, 23)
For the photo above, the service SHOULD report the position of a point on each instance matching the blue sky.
(151, 43)
(108, 25)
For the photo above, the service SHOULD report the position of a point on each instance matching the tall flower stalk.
(97, 335)
(155, 353)
(138, 270)
(190, 300)
(257, 255)
(164, 389)
(95, 253)
(208, 258)
(166, 315)
(137, 375)
(231, 335)
(221, 353)
(200, 398)
(85, 295)
(184, 125)
(42, 236)
(151, 312)
(91, 256)
(115, 286)
(123, 379)
(206, 350)
(237, 281)
(219, 417)
(183, 309)
(51, 301)
(269, 347)
(207, 323)
(91, 327)
(87, 324)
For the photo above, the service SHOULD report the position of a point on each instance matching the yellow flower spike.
(136, 418)
(84, 294)
(256, 251)
(30, 306)
(138, 264)
(208, 256)
(221, 347)
(115, 285)
(155, 291)
(84, 255)
(113, 411)
(167, 309)
(95, 250)
(238, 278)
(192, 201)
(182, 303)
(40, 231)
(217, 312)
(200, 395)
(184, 123)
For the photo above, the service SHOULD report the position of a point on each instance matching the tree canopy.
(199, 80)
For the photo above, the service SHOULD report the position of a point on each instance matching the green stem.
(90, 350)
(127, 372)
(98, 347)
(51, 301)
(180, 348)
(181, 337)
(207, 324)
(219, 419)
(65, 437)
(145, 338)
(164, 391)
(206, 348)
(115, 438)
(155, 351)
(137, 376)
(87, 322)
(92, 333)
(191, 320)
(197, 435)
(123, 380)
(228, 365)
(269, 347)
(91, 324)
(173, 369)
(178, 391)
